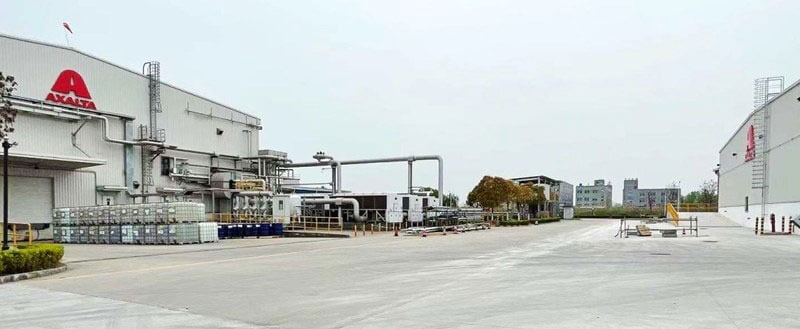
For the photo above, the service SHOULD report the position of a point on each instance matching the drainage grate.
(660, 254)
(710, 241)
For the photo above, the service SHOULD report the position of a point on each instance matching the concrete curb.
(32, 275)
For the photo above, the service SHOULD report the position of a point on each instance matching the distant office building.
(633, 196)
(597, 195)
(557, 192)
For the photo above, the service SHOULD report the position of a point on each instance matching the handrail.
(14, 233)
(316, 223)
(697, 207)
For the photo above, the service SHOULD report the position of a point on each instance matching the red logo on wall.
(751, 144)
(70, 89)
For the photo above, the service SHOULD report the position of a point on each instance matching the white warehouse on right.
(758, 166)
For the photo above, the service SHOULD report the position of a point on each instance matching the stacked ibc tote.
(147, 223)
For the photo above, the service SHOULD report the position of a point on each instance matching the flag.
(66, 26)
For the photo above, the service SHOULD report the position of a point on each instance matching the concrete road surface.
(572, 274)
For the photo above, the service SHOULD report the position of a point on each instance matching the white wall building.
(759, 162)
(597, 195)
(83, 134)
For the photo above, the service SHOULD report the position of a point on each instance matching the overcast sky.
(575, 90)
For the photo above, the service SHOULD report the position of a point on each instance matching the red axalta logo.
(70, 89)
(750, 154)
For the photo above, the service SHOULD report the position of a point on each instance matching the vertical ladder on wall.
(765, 89)
(758, 163)
(153, 72)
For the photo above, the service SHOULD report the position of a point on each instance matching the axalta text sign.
(70, 89)
(750, 152)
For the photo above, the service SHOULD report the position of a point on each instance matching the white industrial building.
(90, 132)
(758, 164)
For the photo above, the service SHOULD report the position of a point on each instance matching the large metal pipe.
(336, 201)
(322, 160)
(410, 159)
(337, 183)
(410, 177)
(107, 136)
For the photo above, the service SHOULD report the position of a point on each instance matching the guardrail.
(230, 218)
(16, 235)
(697, 207)
(316, 223)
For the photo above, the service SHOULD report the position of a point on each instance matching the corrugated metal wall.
(70, 188)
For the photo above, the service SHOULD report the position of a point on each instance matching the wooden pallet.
(643, 230)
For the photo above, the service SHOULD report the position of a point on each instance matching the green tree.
(524, 195)
(472, 200)
(7, 113)
(450, 200)
(706, 193)
(491, 192)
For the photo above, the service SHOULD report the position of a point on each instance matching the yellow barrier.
(16, 236)
(697, 207)
(672, 213)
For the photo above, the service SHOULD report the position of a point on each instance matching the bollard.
(371, 229)
(761, 228)
(355, 230)
(364, 229)
(684, 231)
(395, 231)
(791, 225)
(772, 222)
(748, 218)
(783, 223)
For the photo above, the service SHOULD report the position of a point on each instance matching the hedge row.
(513, 222)
(523, 222)
(30, 258)
(618, 212)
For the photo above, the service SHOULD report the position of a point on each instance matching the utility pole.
(7, 116)
(6, 146)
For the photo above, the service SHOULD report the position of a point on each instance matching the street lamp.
(7, 116)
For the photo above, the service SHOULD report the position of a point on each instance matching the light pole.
(6, 146)
(7, 116)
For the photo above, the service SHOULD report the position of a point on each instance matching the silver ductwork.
(106, 131)
(336, 166)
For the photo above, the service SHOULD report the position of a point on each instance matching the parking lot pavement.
(561, 275)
